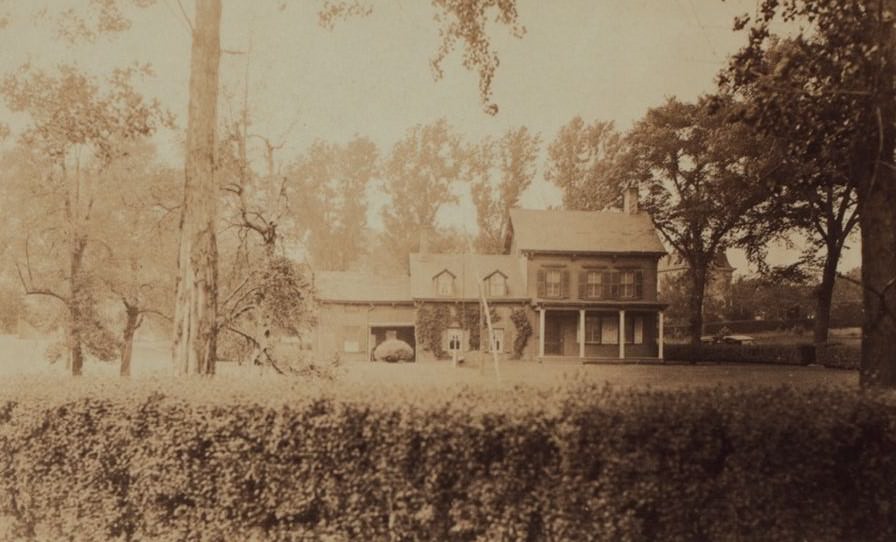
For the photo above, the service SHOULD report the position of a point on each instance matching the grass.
(25, 357)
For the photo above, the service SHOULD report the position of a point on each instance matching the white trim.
(581, 333)
(541, 332)
(661, 339)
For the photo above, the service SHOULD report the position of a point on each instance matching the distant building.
(586, 281)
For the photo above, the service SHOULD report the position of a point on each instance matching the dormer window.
(444, 284)
(496, 284)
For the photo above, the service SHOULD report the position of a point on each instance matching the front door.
(553, 338)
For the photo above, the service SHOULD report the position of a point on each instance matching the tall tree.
(702, 179)
(502, 170)
(330, 183)
(819, 199)
(847, 56)
(580, 161)
(77, 132)
(196, 306)
(421, 173)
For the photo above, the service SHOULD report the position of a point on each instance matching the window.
(592, 329)
(497, 340)
(627, 284)
(455, 337)
(610, 284)
(553, 283)
(445, 284)
(496, 285)
(609, 330)
(350, 342)
(634, 329)
(593, 286)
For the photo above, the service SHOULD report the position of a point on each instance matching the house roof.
(584, 231)
(361, 287)
(424, 267)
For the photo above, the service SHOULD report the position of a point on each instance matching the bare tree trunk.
(825, 293)
(195, 318)
(695, 304)
(877, 220)
(75, 305)
(132, 322)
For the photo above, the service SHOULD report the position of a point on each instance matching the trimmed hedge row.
(585, 463)
(834, 355)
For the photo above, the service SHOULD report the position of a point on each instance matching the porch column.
(541, 332)
(621, 334)
(582, 333)
(661, 336)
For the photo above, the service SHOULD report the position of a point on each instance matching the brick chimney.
(630, 200)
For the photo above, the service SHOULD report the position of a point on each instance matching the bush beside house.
(393, 350)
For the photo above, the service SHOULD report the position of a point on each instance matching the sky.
(599, 59)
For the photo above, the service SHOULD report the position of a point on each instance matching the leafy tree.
(842, 63)
(702, 178)
(502, 170)
(581, 160)
(421, 174)
(76, 134)
(819, 199)
(139, 234)
(330, 184)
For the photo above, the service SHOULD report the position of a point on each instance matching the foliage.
(841, 51)
(782, 354)
(520, 318)
(703, 178)
(393, 350)
(502, 170)
(362, 463)
(328, 188)
(421, 175)
(432, 321)
(581, 161)
(838, 356)
(470, 317)
(68, 162)
(770, 298)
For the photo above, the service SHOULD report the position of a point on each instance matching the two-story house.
(586, 282)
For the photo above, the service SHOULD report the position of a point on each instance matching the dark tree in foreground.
(846, 51)
(819, 198)
(702, 178)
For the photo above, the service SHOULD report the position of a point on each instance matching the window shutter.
(564, 283)
(639, 284)
(583, 284)
(541, 282)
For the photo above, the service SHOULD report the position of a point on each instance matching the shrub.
(520, 319)
(784, 354)
(840, 356)
(374, 463)
(393, 350)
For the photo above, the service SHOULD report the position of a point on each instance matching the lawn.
(25, 357)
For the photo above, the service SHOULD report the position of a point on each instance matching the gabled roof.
(361, 287)
(464, 267)
(584, 231)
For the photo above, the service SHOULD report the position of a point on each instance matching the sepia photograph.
(447, 270)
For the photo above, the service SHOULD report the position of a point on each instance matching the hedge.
(833, 355)
(841, 356)
(740, 353)
(581, 463)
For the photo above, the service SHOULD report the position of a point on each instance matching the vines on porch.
(520, 319)
(432, 321)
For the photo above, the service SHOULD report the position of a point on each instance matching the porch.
(594, 334)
